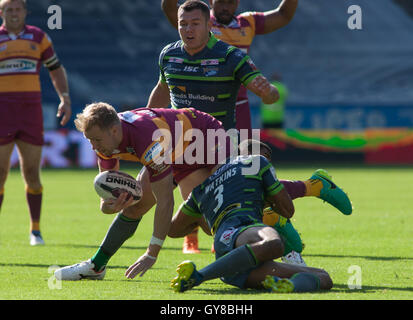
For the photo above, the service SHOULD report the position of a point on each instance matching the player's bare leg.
(299, 278)
(30, 157)
(122, 228)
(5, 154)
(255, 244)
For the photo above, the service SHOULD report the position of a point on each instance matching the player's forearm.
(280, 16)
(60, 83)
(282, 204)
(159, 97)
(162, 222)
(271, 96)
(170, 9)
(182, 229)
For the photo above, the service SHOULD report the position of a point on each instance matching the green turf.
(377, 239)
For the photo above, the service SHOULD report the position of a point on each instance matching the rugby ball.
(110, 184)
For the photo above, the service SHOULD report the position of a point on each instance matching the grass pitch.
(368, 254)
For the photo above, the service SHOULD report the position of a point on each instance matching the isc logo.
(191, 69)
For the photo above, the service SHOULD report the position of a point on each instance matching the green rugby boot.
(188, 277)
(331, 193)
(290, 236)
(277, 285)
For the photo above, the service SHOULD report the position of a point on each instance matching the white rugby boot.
(79, 271)
(294, 258)
(36, 239)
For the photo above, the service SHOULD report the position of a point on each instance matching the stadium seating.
(110, 49)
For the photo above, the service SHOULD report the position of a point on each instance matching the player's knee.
(326, 283)
(3, 175)
(32, 176)
(275, 248)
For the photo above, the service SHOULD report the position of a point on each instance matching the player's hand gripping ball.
(110, 184)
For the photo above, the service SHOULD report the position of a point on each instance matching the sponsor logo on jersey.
(153, 151)
(129, 116)
(191, 69)
(175, 60)
(210, 71)
(216, 31)
(18, 65)
(27, 36)
(209, 62)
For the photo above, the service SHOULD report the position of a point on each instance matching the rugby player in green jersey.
(202, 72)
(232, 203)
(205, 73)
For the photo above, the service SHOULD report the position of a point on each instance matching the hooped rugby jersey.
(231, 190)
(240, 33)
(158, 138)
(21, 57)
(209, 80)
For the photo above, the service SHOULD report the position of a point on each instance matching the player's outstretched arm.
(159, 97)
(183, 224)
(163, 192)
(282, 203)
(170, 9)
(281, 16)
(264, 89)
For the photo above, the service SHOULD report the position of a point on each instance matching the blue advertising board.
(348, 117)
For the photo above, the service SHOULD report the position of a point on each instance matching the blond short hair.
(4, 2)
(99, 114)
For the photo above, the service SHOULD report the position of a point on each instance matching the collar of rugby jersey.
(211, 42)
(233, 24)
(12, 35)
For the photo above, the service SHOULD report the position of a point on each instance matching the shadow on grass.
(40, 265)
(337, 288)
(88, 246)
(343, 288)
(374, 258)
